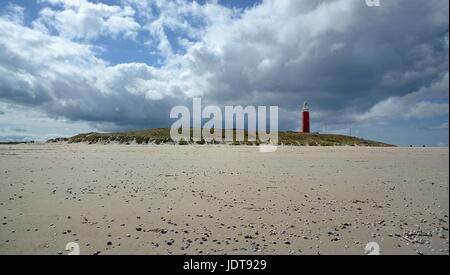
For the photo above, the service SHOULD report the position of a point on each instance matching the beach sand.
(118, 199)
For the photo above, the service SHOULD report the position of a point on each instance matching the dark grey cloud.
(357, 57)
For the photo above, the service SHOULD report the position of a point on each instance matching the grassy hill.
(162, 136)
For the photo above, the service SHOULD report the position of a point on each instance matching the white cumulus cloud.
(83, 20)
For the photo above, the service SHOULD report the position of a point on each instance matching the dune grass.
(162, 136)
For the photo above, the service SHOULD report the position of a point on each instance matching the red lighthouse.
(305, 118)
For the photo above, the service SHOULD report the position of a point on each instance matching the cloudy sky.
(71, 66)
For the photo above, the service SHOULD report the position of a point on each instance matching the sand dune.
(118, 199)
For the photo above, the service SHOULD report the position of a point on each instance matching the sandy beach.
(118, 199)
